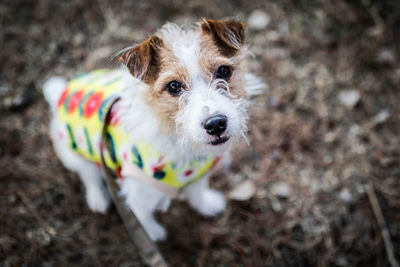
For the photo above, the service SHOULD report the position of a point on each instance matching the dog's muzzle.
(216, 126)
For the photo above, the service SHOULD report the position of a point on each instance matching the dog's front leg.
(144, 201)
(206, 201)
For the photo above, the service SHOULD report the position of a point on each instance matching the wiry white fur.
(189, 141)
(143, 201)
(206, 100)
(52, 90)
(185, 46)
(254, 85)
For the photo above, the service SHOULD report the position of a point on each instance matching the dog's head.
(195, 81)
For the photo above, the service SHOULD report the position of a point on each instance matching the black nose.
(215, 125)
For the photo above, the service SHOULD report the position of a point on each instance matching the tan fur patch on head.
(211, 59)
(228, 35)
(143, 60)
(164, 104)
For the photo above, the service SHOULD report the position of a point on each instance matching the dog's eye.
(223, 72)
(174, 88)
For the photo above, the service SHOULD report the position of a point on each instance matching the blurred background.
(317, 185)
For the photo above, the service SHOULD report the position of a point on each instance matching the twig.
(206, 240)
(382, 224)
(147, 248)
(28, 203)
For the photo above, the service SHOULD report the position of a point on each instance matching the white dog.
(183, 100)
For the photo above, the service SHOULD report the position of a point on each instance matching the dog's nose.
(215, 125)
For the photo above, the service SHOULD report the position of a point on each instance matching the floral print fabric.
(82, 108)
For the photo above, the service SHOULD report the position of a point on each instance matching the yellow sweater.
(82, 108)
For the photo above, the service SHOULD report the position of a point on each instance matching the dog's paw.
(98, 200)
(156, 232)
(212, 203)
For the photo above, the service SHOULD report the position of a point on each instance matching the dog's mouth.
(219, 141)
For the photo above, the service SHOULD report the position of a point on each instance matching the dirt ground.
(324, 148)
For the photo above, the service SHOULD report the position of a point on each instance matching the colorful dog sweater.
(82, 108)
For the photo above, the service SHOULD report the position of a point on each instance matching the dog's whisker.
(119, 53)
(245, 138)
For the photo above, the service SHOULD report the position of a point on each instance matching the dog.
(171, 114)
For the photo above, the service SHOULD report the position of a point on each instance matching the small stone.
(275, 204)
(386, 56)
(242, 192)
(345, 195)
(341, 261)
(5, 88)
(382, 116)
(272, 36)
(78, 38)
(281, 190)
(349, 98)
(12, 199)
(283, 28)
(43, 238)
(258, 20)
(330, 137)
(354, 130)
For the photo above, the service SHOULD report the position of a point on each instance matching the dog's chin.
(217, 146)
(208, 145)
(219, 141)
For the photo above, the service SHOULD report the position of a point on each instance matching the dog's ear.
(228, 35)
(143, 60)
